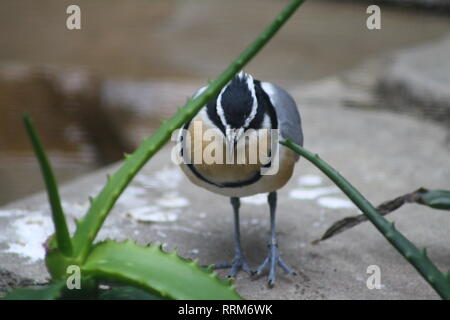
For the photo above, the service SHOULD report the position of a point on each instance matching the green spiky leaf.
(151, 269)
(63, 240)
(49, 292)
(416, 257)
(126, 293)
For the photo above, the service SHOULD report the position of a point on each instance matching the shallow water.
(175, 46)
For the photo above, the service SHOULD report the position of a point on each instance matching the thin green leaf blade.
(149, 268)
(418, 259)
(62, 232)
(90, 225)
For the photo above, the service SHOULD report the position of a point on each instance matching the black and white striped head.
(237, 104)
(238, 107)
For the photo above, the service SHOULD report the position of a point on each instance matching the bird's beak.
(232, 136)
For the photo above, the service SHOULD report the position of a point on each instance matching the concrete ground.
(383, 154)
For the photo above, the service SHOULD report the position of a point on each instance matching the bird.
(244, 105)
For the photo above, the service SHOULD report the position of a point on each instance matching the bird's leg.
(273, 257)
(239, 262)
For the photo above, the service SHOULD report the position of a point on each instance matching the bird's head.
(236, 108)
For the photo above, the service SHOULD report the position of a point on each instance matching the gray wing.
(199, 92)
(289, 121)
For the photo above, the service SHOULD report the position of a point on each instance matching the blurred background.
(94, 93)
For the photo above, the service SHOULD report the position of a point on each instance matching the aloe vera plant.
(165, 274)
(418, 258)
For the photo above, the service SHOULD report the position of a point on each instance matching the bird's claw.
(237, 264)
(273, 260)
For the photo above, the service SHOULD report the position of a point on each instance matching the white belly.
(266, 183)
(213, 177)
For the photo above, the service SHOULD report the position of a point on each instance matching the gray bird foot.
(273, 260)
(237, 264)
